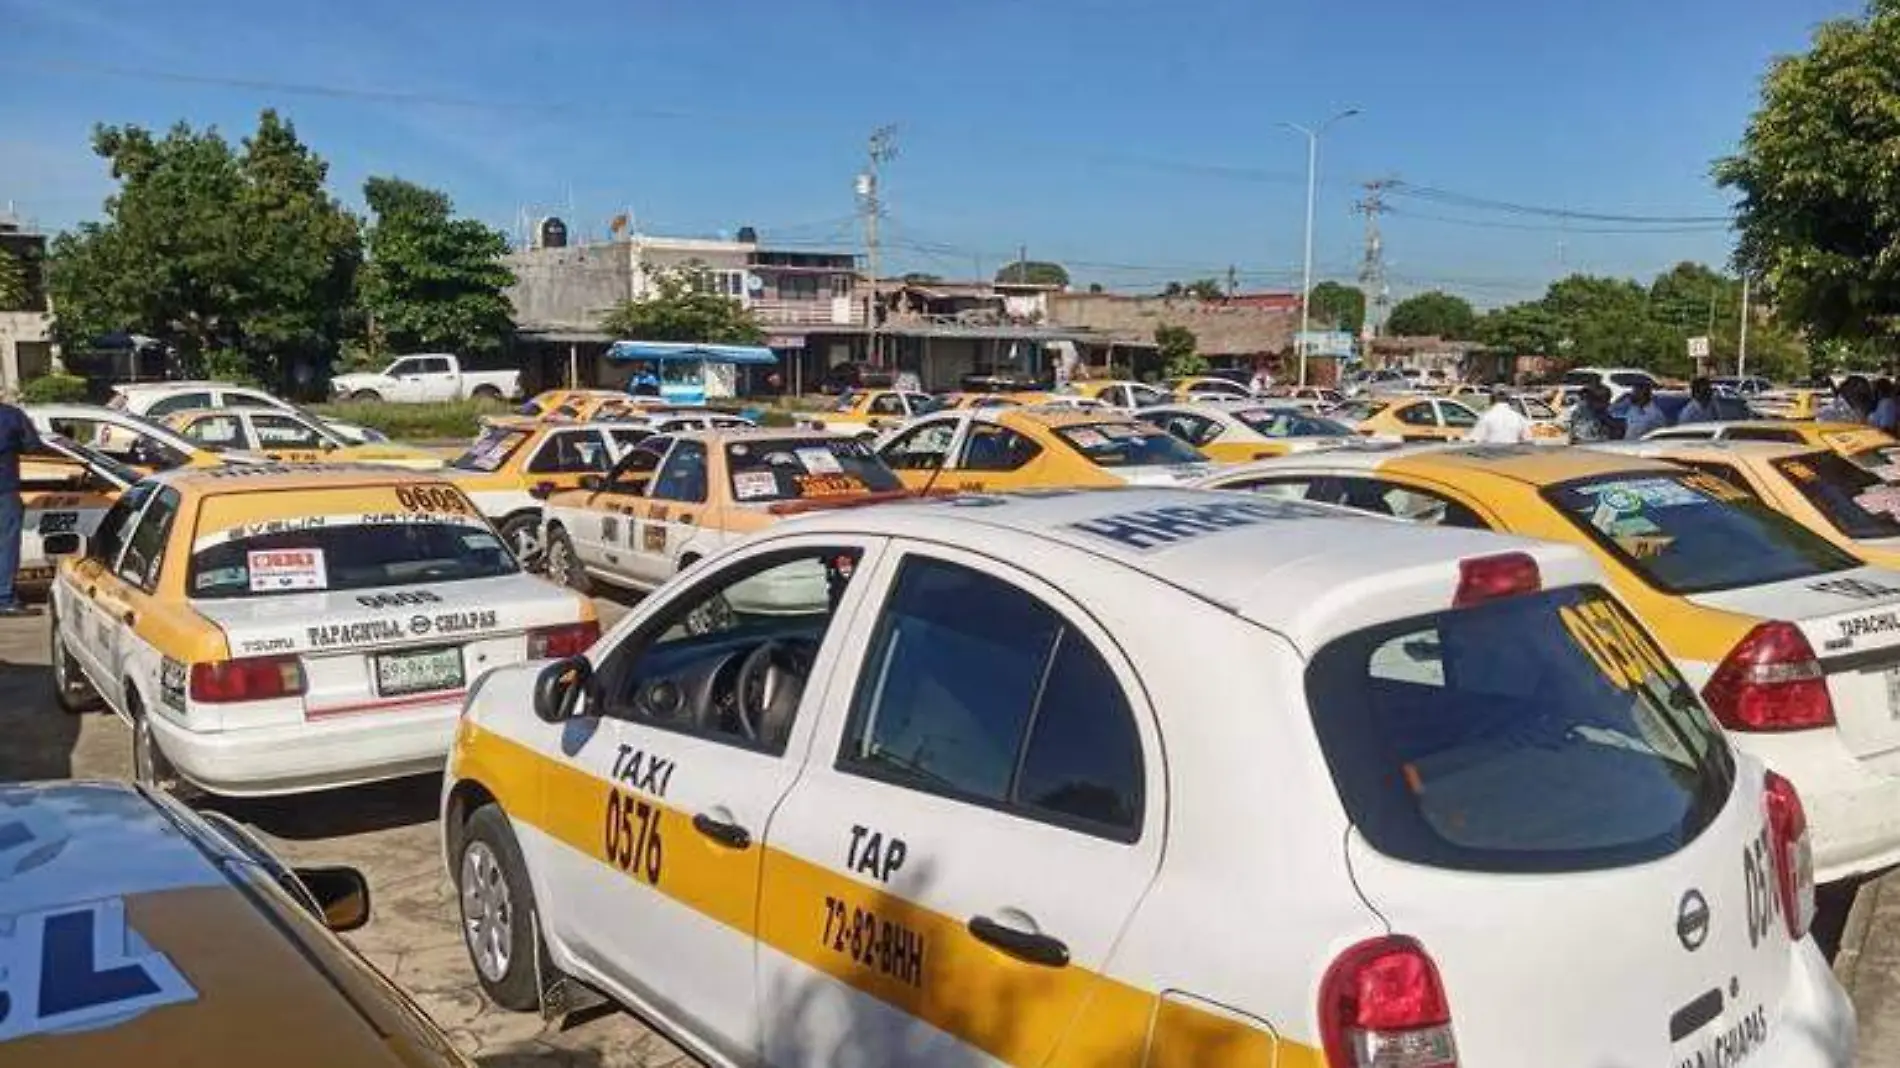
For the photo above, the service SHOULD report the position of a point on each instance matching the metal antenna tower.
(879, 150)
(1372, 278)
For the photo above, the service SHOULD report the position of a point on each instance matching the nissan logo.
(1692, 920)
(419, 624)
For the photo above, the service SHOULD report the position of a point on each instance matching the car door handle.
(1023, 945)
(726, 834)
(129, 617)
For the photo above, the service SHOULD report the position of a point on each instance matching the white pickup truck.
(432, 376)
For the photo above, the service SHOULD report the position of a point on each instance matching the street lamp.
(1312, 176)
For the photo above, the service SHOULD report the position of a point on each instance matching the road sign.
(1698, 348)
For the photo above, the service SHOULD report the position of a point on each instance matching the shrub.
(441, 421)
(54, 389)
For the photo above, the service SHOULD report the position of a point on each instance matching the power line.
(1557, 227)
(1465, 200)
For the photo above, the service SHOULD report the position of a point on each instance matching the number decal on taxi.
(1763, 891)
(828, 485)
(875, 942)
(633, 837)
(1625, 657)
(431, 499)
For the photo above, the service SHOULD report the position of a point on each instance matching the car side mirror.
(541, 491)
(590, 483)
(341, 894)
(559, 688)
(67, 544)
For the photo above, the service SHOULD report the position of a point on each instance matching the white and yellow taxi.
(513, 466)
(132, 439)
(272, 630)
(291, 437)
(1039, 447)
(65, 488)
(1250, 430)
(674, 499)
(870, 412)
(970, 805)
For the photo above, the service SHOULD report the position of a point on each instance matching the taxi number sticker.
(431, 499)
(276, 570)
(1626, 658)
(875, 942)
(828, 485)
(632, 839)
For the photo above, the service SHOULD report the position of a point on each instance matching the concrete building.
(953, 334)
(1438, 358)
(26, 340)
(1116, 334)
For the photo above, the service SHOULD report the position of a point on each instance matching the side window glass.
(627, 438)
(145, 551)
(729, 660)
(923, 448)
(223, 431)
(1457, 415)
(117, 523)
(437, 366)
(1416, 415)
(1041, 729)
(996, 448)
(177, 403)
(277, 432)
(887, 404)
(635, 470)
(684, 476)
(1419, 506)
(246, 400)
(572, 453)
(403, 367)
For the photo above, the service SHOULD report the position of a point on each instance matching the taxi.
(513, 466)
(675, 499)
(970, 804)
(548, 400)
(869, 412)
(1790, 403)
(1547, 426)
(279, 629)
(1035, 447)
(1122, 394)
(1236, 433)
(948, 401)
(1205, 387)
(1409, 418)
(140, 932)
(65, 488)
(1793, 642)
(131, 439)
(288, 437)
(1870, 447)
(1820, 489)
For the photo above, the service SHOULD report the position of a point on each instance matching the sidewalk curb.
(1854, 933)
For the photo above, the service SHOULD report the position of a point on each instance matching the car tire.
(522, 534)
(562, 566)
(498, 913)
(366, 396)
(487, 393)
(149, 766)
(71, 692)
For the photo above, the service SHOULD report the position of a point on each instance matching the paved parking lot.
(388, 831)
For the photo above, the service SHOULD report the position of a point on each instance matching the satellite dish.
(551, 232)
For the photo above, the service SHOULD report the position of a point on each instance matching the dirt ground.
(388, 831)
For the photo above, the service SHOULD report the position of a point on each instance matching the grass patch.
(440, 420)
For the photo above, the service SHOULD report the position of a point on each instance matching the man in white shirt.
(1701, 407)
(1644, 413)
(1501, 424)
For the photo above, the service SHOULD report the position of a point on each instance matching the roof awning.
(668, 350)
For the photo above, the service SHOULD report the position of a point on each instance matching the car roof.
(1534, 465)
(1051, 416)
(260, 478)
(1282, 564)
(720, 435)
(1715, 451)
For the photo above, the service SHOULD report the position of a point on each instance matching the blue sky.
(1136, 141)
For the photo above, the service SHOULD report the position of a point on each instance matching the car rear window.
(1285, 423)
(346, 556)
(491, 450)
(1692, 533)
(1128, 445)
(1582, 750)
(791, 469)
(1859, 503)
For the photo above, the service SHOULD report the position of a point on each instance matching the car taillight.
(1487, 578)
(1794, 856)
(1770, 682)
(260, 678)
(1381, 1004)
(568, 639)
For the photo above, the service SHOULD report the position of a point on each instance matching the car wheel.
(149, 766)
(564, 568)
(366, 396)
(71, 691)
(498, 917)
(487, 393)
(523, 535)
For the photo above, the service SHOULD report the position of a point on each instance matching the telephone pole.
(1741, 340)
(879, 150)
(1372, 269)
(1312, 134)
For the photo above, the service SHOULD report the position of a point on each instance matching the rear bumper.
(1816, 1028)
(1853, 811)
(313, 755)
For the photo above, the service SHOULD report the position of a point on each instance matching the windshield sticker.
(1719, 488)
(751, 485)
(819, 461)
(276, 570)
(481, 541)
(219, 576)
(1882, 499)
(829, 485)
(431, 499)
(1087, 439)
(81, 967)
(1157, 528)
(1626, 658)
(299, 524)
(1798, 471)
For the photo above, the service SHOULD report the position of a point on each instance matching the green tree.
(1817, 216)
(432, 282)
(1034, 273)
(208, 249)
(1336, 306)
(1527, 329)
(12, 281)
(683, 307)
(1433, 314)
(1176, 345)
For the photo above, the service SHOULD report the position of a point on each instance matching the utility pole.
(1022, 265)
(1312, 181)
(1372, 269)
(1233, 280)
(1741, 338)
(880, 149)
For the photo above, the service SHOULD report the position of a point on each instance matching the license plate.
(419, 672)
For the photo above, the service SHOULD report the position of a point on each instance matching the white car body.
(888, 408)
(1131, 396)
(781, 902)
(1617, 380)
(153, 400)
(425, 378)
(120, 434)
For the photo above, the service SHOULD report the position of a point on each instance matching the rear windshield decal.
(275, 570)
(81, 967)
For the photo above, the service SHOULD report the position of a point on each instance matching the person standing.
(645, 383)
(1591, 421)
(1886, 413)
(1701, 407)
(1502, 423)
(17, 438)
(1853, 400)
(1644, 414)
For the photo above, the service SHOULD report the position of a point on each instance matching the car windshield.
(1359, 411)
(347, 556)
(1535, 409)
(846, 402)
(1582, 750)
(1859, 503)
(1693, 533)
(1288, 423)
(492, 449)
(1127, 445)
(59, 445)
(791, 469)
